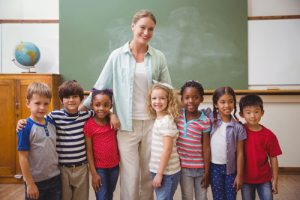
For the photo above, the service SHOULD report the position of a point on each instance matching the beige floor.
(177, 195)
(289, 189)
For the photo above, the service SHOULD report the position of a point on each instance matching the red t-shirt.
(105, 147)
(259, 146)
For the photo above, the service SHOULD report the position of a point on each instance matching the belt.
(73, 165)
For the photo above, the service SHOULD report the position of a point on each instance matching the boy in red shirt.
(261, 151)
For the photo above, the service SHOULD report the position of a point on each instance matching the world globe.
(27, 55)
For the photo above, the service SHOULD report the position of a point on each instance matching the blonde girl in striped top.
(163, 105)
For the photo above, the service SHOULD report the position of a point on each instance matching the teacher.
(129, 71)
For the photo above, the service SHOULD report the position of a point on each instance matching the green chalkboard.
(202, 40)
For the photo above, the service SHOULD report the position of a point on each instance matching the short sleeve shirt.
(164, 127)
(70, 138)
(189, 142)
(259, 147)
(105, 147)
(40, 142)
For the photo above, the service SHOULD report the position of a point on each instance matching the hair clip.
(163, 84)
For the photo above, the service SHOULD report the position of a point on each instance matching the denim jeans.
(190, 183)
(222, 184)
(109, 179)
(264, 191)
(49, 189)
(168, 186)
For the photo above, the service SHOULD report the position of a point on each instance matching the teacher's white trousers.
(135, 148)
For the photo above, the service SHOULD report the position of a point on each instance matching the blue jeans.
(222, 184)
(264, 191)
(49, 189)
(168, 186)
(109, 179)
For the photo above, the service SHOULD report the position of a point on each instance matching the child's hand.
(205, 180)
(238, 182)
(21, 124)
(96, 182)
(274, 187)
(114, 121)
(157, 180)
(32, 191)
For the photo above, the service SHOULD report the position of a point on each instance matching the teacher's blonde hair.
(141, 14)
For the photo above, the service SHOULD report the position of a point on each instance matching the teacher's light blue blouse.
(118, 75)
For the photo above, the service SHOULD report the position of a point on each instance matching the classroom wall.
(273, 45)
(29, 9)
(266, 38)
(281, 112)
(44, 35)
(273, 7)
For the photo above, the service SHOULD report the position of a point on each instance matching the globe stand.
(23, 67)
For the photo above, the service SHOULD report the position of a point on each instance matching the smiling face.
(38, 106)
(225, 106)
(252, 115)
(191, 99)
(101, 104)
(143, 30)
(159, 101)
(71, 103)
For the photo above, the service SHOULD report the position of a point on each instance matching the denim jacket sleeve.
(160, 71)
(164, 71)
(104, 81)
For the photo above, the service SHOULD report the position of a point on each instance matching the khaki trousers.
(75, 182)
(134, 147)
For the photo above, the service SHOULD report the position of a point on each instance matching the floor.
(289, 189)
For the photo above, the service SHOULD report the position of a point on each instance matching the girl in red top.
(101, 143)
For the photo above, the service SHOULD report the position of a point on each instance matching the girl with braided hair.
(227, 146)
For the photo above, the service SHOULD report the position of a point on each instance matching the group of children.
(189, 146)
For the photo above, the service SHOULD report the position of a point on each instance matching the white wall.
(273, 45)
(29, 9)
(273, 50)
(273, 7)
(44, 35)
(0, 48)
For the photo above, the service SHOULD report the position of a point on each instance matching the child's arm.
(96, 179)
(32, 190)
(274, 167)
(114, 121)
(164, 159)
(207, 157)
(82, 108)
(238, 182)
(21, 124)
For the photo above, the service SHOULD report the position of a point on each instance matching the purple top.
(234, 132)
